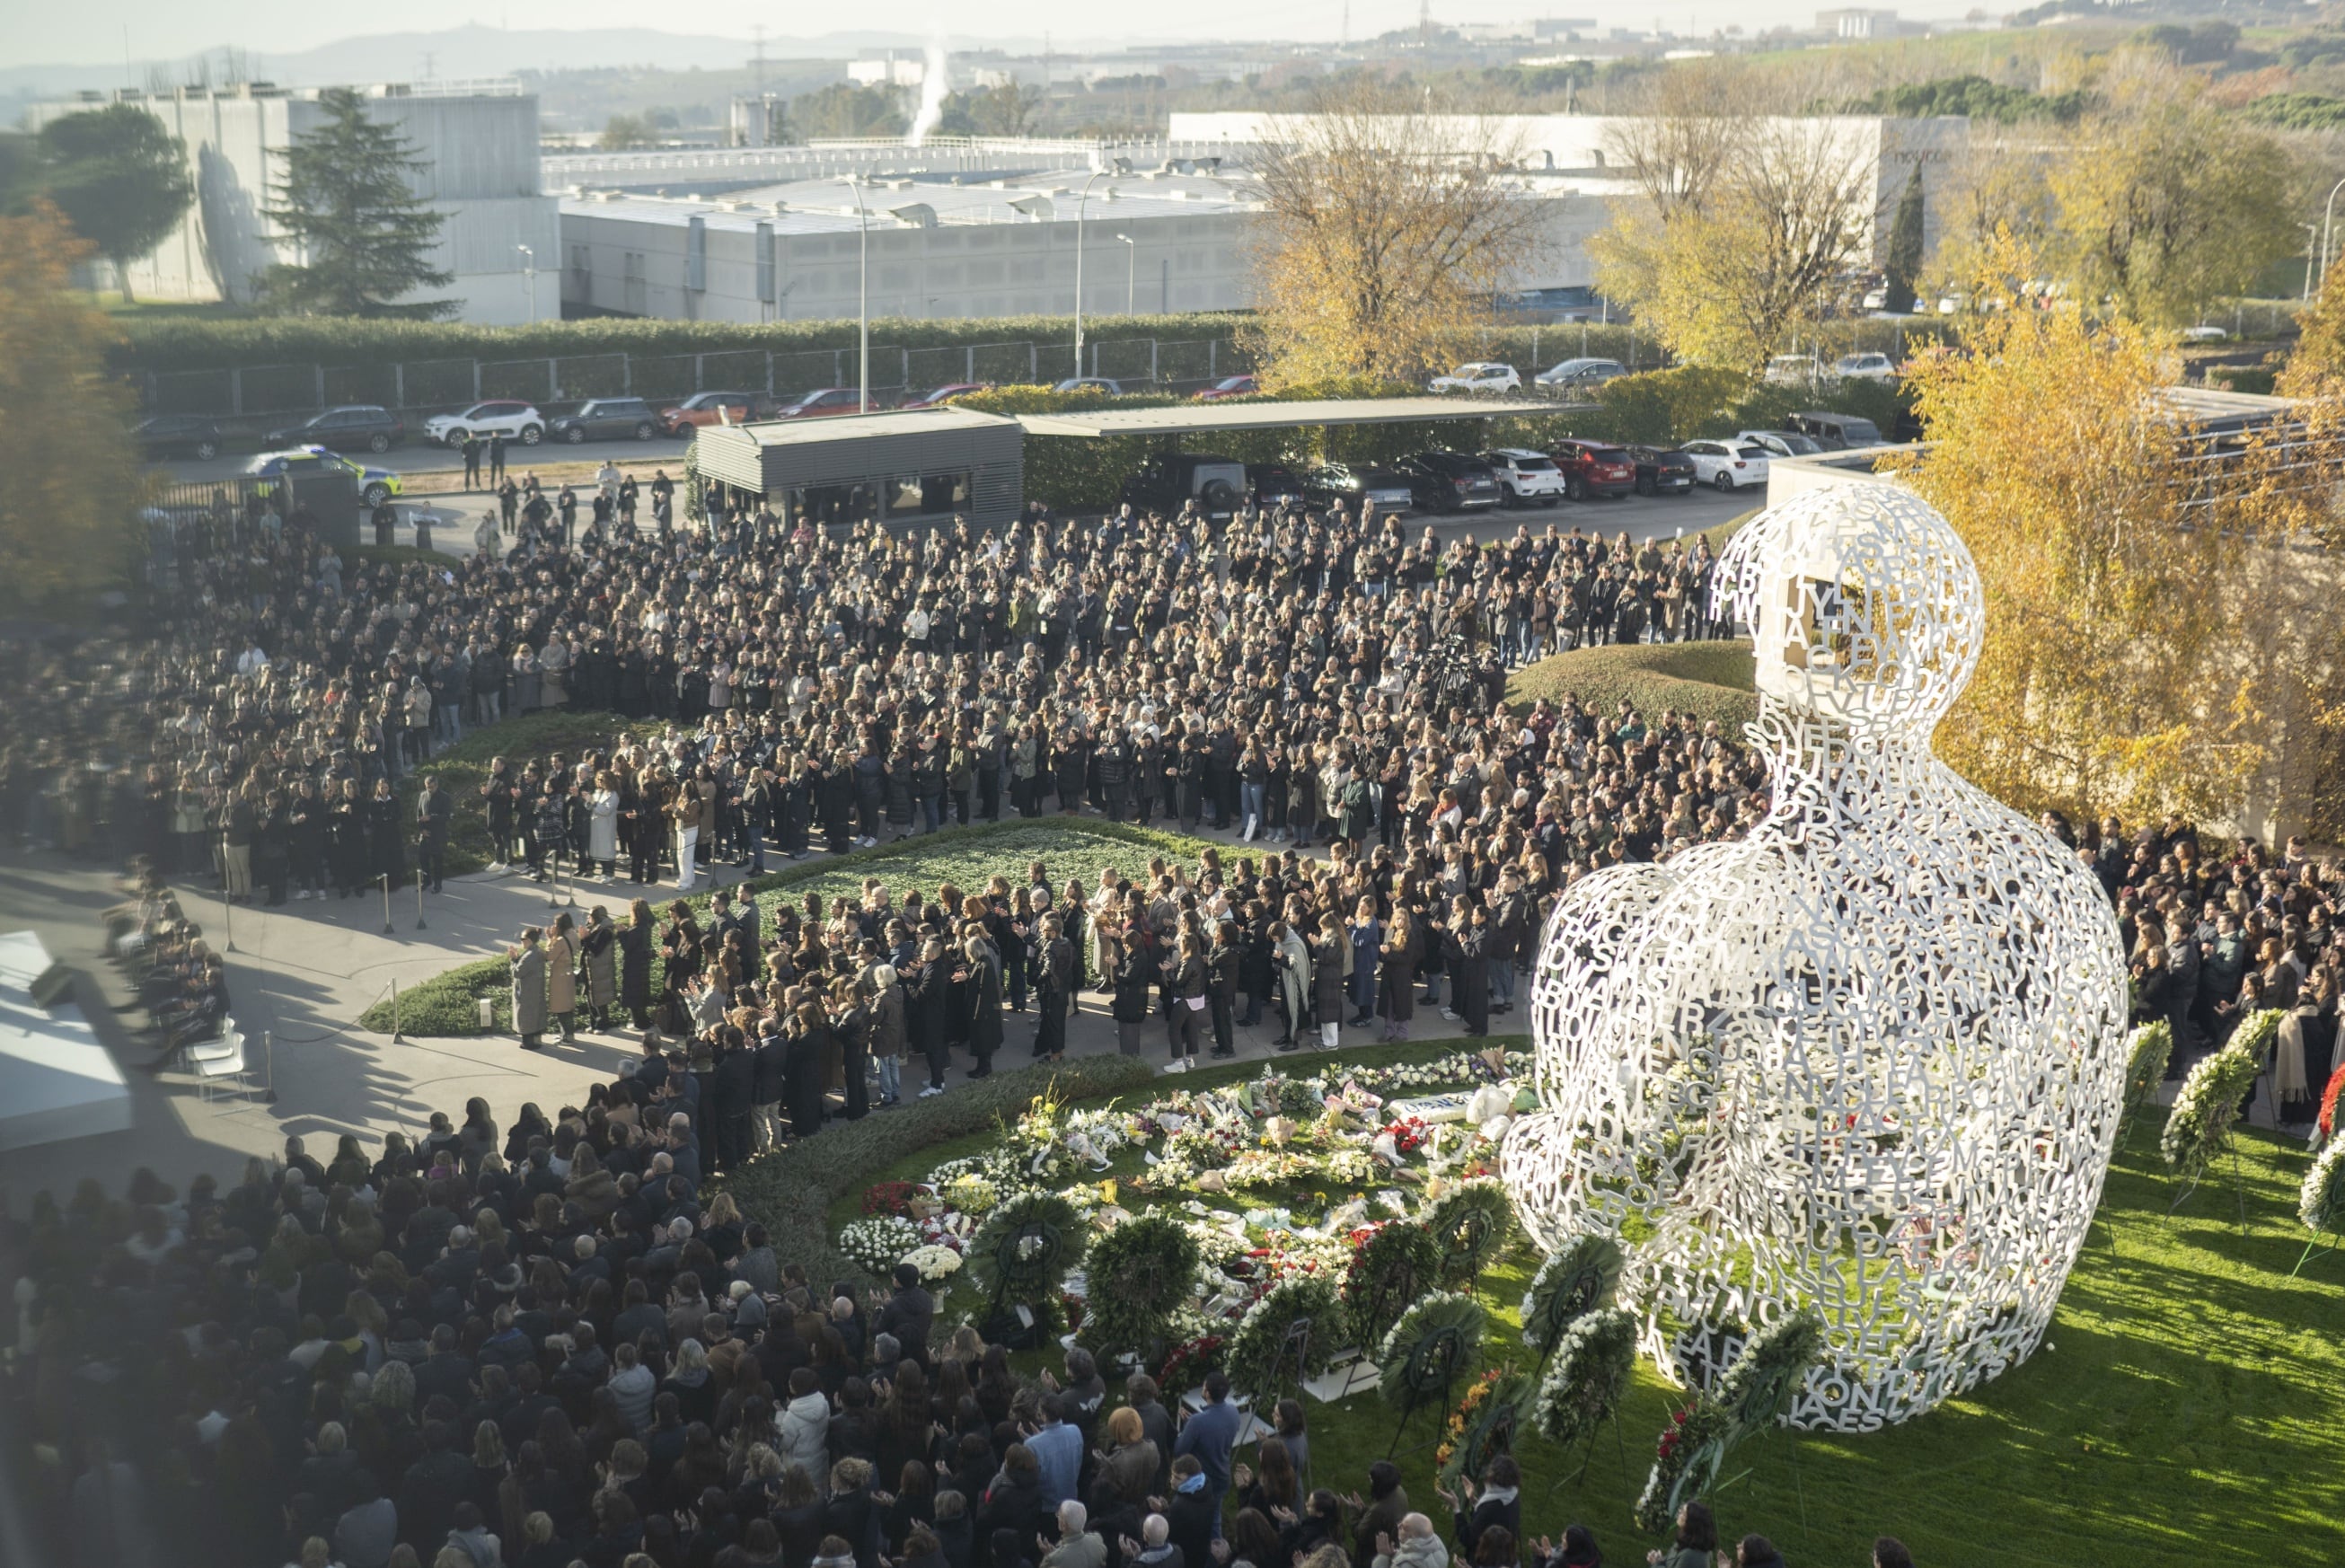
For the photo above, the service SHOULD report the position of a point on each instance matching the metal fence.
(417, 388)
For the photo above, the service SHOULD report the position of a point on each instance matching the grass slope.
(2187, 1407)
(966, 856)
(1709, 679)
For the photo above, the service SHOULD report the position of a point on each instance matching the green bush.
(966, 856)
(1708, 680)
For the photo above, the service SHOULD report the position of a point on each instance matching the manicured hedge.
(1708, 680)
(1074, 846)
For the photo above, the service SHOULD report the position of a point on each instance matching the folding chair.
(223, 1064)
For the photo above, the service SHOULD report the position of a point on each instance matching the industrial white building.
(969, 244)
(478, 147)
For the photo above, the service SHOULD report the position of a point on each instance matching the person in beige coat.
(562, 975)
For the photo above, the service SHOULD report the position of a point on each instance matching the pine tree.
(365, 237)
(1905, 247)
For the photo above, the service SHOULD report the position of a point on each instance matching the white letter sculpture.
(1869, 1060)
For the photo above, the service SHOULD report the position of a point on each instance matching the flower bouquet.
(879, 1244)
(934, 1262)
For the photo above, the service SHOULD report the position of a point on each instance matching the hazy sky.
(103, 31)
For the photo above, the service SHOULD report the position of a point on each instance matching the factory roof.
(1202, 418)
(906, 201)
(852, 426)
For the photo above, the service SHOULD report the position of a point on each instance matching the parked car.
(179, 435)
(938, 397)
(1662, 471)
(1781, 443)
(2203, 333)
(1483, 376)
(1727, 465)
(707, 409)
(1275, 485)
(1837, 433)
(375, 485)
(1460, 482)
(356, 425)
(1165, 484)
(1580, 375)
(1875, 299)
(1227, 386)
(1113, 387)
(1524, 476)
(823, 402)
(1353, 484)
(1865, 368)
(1594, 469)
(514, 421)
(604, 420)
(1793, 370)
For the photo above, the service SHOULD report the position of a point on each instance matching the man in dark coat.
(1466, 944)
(734, 1086)
(983, 981)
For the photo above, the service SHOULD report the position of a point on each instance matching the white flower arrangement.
(2321, 1205)
(879, 1244)
(934, 1262)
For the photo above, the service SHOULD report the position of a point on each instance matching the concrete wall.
(480, 171)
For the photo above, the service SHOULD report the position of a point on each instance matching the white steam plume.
(932, 95)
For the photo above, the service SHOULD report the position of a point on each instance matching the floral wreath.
(1186, 1364)
(1757, 1388)
(2321, 1205)
(2200, 1126)
(1026, 1247)
(1573, 1282)
(1483, 1426)
(1255, 1350)
(1416, 1364)
(1472, 1223)
(1139, 1275)
(2329, 1103)
(2147, 1055)
(881, 1243)
(1686, 1461)
(1588, 1375)
(1392, 1264)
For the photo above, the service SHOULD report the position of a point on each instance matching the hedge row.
(798, 1193)
(1706, 680)
(447, 1003)
(166, 344)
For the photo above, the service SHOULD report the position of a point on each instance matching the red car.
(702, 409)
(941, 396)
(826, 400)
(1227, 386)
(1594, 469)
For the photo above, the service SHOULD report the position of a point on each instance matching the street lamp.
(529, 279)
(862, 298)
(2327, 218)
(1080, 203)
(1131, 269)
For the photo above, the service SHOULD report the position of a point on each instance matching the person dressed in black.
(852, 1029)
(472, 461)
(1467, 943)
(1053, 961)
(733, 1095)
(636, 964)
(496, 459)
(982, 980)
(386, 841)
(434, 809)
(810, 1047)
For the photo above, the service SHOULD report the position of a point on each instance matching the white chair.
(219, 1045)
(225, 1063)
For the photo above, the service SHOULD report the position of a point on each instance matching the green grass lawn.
(2187, 1407)
(967, 857)
(1709, 679)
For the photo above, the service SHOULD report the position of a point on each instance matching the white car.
(1779, 443)
(1793, 370)
(1525, 475)
(1482, 376)
(514, 421)
(1727, 465)
(2203, 333)
(1865, 368)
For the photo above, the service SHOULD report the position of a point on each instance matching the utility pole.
(863, 299)
(758, 57)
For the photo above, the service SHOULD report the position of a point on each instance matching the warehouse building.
(477, 146)
(952, 244)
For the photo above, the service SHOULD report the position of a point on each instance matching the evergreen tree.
(1905, 247)
(120, 180)
(366, 239)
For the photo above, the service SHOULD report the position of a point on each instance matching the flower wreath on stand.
(881, 1243)
(1586, 1377)
(1483, 1426)
(2321, 1204)
(1392, 1265)
(1434, 1343)
(1685, 1462)
(2198, 1127)
(2147, 1055)
(1472, 1224)
(1576, 1280)
(1751, 1396)
(1256, 1351)
(1025, 1249)
(1139, 1275)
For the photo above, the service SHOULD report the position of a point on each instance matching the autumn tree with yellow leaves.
(1382, 245)
(69, 504)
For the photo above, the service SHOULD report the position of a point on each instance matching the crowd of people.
(545, 1343)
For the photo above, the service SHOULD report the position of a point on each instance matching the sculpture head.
(1864, 606)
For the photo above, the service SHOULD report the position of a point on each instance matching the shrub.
(1708, 680)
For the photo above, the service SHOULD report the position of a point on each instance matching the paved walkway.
(302, 974)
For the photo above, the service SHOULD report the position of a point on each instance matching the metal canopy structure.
(909, 466)
(1202, 418)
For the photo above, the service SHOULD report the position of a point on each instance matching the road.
(427, 468)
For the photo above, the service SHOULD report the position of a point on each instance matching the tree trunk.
(122, 277)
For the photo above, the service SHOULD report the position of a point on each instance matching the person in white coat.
(802, 1427)
(603, 825)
